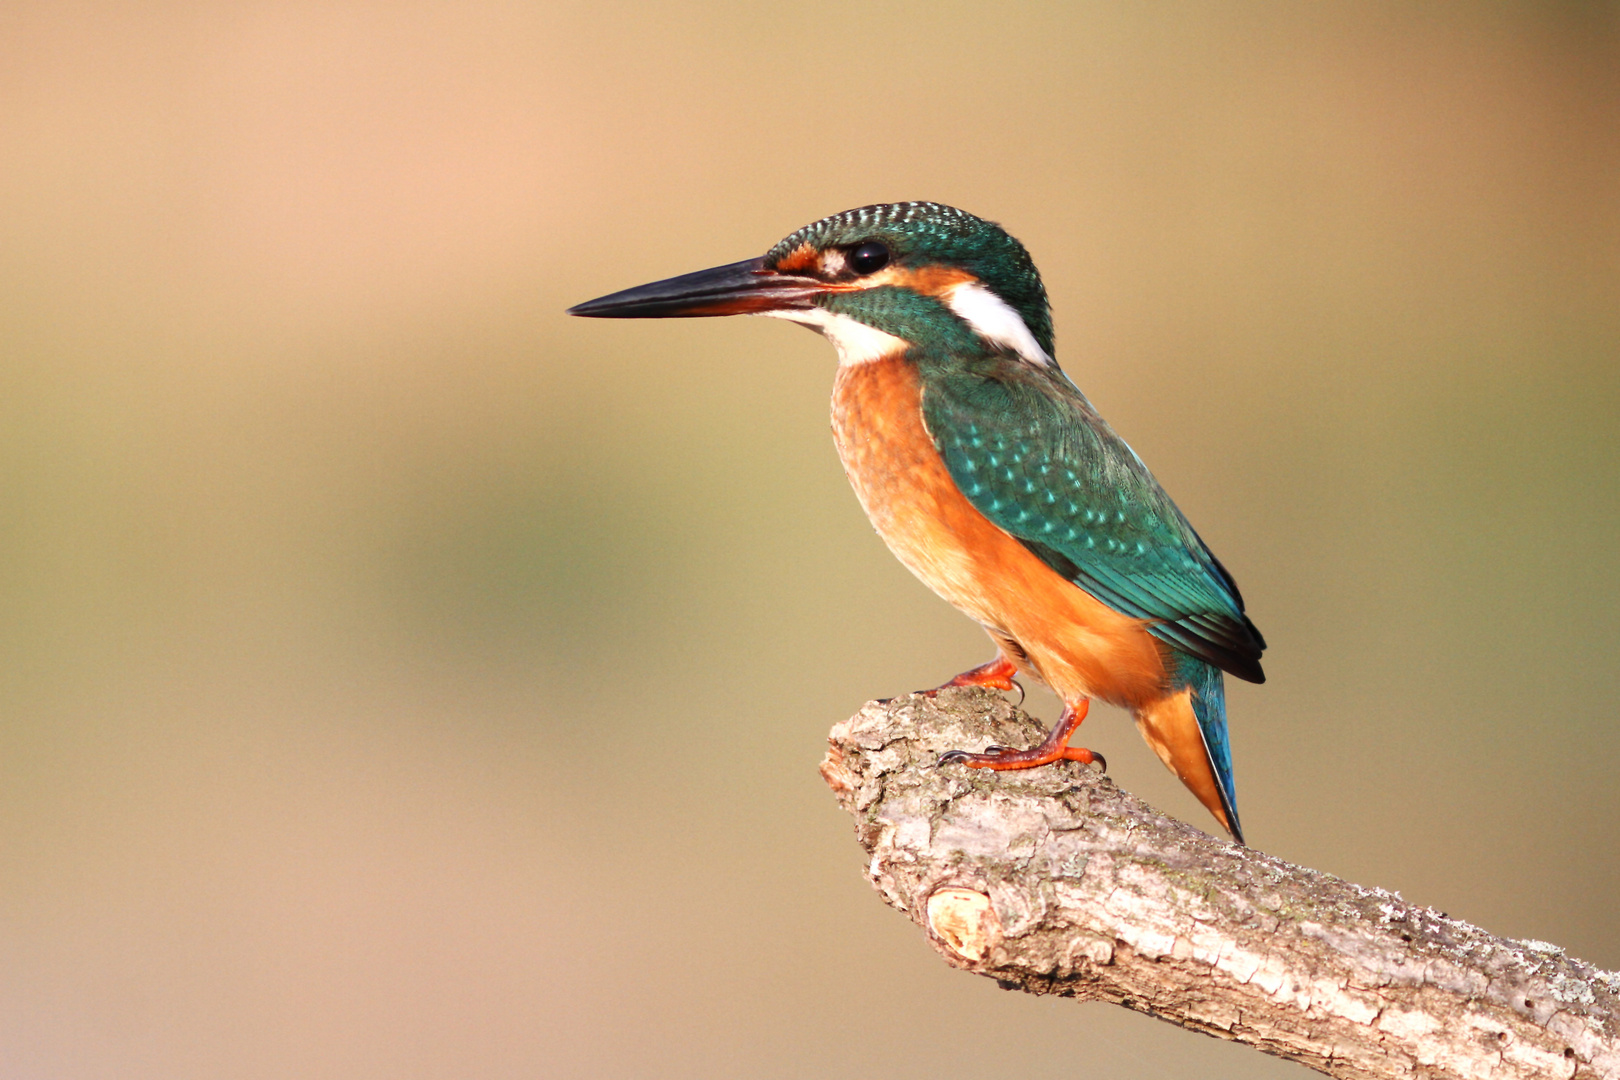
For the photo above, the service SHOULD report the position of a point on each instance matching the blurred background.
(401, 679)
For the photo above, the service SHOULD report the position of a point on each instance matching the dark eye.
(869, 258)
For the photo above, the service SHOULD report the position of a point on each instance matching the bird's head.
(876, 280)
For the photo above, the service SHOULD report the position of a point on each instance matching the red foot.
(1055, 747)
(996, 675)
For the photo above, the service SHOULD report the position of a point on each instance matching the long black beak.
(742, 288)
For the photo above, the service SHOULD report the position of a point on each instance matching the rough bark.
(1054, 881)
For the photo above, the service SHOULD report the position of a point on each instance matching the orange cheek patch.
(927, 280)
(934, 280)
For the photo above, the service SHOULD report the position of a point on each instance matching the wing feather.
(1033, 456)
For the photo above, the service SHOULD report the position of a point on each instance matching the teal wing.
(1031, 454)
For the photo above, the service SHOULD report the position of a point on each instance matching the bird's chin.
(856, 342)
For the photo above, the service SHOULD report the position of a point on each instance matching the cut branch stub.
(1053, 880)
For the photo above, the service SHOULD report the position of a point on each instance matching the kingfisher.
(993, 479)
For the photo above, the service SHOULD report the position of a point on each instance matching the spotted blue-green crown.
(922, 234)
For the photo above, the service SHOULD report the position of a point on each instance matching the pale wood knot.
(964, 921)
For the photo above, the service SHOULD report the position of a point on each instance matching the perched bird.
(992, 478)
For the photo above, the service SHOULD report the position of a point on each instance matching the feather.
(1032, 455)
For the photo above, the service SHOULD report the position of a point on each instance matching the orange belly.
(1052, 629)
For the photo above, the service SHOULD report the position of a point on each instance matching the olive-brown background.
(401, 679)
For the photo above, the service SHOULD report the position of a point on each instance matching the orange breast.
(1051, 628)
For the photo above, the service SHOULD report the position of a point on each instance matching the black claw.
(951, 757)
(1098, 759)
(1020, 687)
(996, 748)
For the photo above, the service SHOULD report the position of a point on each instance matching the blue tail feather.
(1209, 707)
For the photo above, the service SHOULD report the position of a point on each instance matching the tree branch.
(1054, 881)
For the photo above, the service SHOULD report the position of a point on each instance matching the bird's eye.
(869, 258)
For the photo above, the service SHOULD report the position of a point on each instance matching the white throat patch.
(856, 342)
(994, 320)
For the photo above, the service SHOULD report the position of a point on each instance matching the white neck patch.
(995, 321)
(856, 342)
